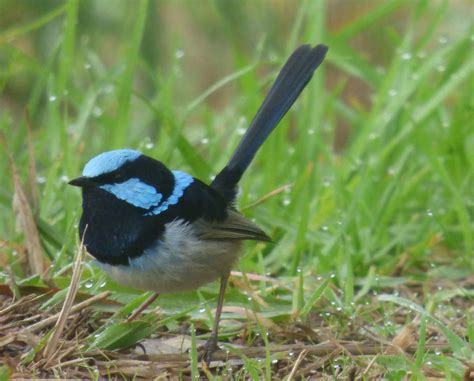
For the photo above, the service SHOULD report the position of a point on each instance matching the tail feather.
(289, 84)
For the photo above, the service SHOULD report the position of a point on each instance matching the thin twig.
(78, 307)
(355, 348)
(67, 305)
(297, 364)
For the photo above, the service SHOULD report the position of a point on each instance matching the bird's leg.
(142, 307)
(211, 345)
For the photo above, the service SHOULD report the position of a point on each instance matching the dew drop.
(103, 284)
(443, 40)
(64, 179)
(392, 92)
(332, 276)
(311, 131)
(324, 228)
(52, 98)
(275, 361)
(241, 131)
(108, 89)
(298, 270)
(429, 212)
(204, 140)
(97, 111)
(179, 54)
(40, 179)
(89, 284)
(202, 310)
(406, 56)
(149, 145)
(286, 202)
(87, 66)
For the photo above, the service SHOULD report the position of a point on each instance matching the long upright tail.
(289, 84)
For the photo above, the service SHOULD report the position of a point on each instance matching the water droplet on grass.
(392, 92)
(52, 98)
(286, 201)
(149, 145)
(406, 56)
(204, 140)
(97, 111)
(88, 284)
(179, 54)
(443, 40)
(87, 66)
(429, 212)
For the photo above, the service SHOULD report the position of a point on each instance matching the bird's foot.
(207, 350)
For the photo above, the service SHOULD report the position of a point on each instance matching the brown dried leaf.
(34, 192)
(25, 219)
(404, 340)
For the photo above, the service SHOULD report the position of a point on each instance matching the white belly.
(180, 261)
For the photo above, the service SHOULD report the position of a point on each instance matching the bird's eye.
(119, 177)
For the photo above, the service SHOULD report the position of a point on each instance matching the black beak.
(81, 181)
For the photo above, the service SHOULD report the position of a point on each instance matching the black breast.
(114, 230)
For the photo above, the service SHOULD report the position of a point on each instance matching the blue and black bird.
(165, 231)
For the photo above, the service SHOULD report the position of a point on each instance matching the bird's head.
(129, 176)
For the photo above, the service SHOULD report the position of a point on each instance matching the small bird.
(166, 231)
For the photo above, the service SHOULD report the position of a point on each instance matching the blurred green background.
(181, 80)
(368, 182)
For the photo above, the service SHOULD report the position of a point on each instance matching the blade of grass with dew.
(459, 346)
(126, 83)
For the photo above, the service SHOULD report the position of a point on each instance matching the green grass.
(391, 206)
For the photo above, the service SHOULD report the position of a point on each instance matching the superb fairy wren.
(166, 231)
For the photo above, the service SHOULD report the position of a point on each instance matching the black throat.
(114, 230)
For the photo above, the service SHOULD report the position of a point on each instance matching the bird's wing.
(234, 227)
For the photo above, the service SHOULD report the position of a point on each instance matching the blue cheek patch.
(109, 161)
(135, 192)
(181, 181)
